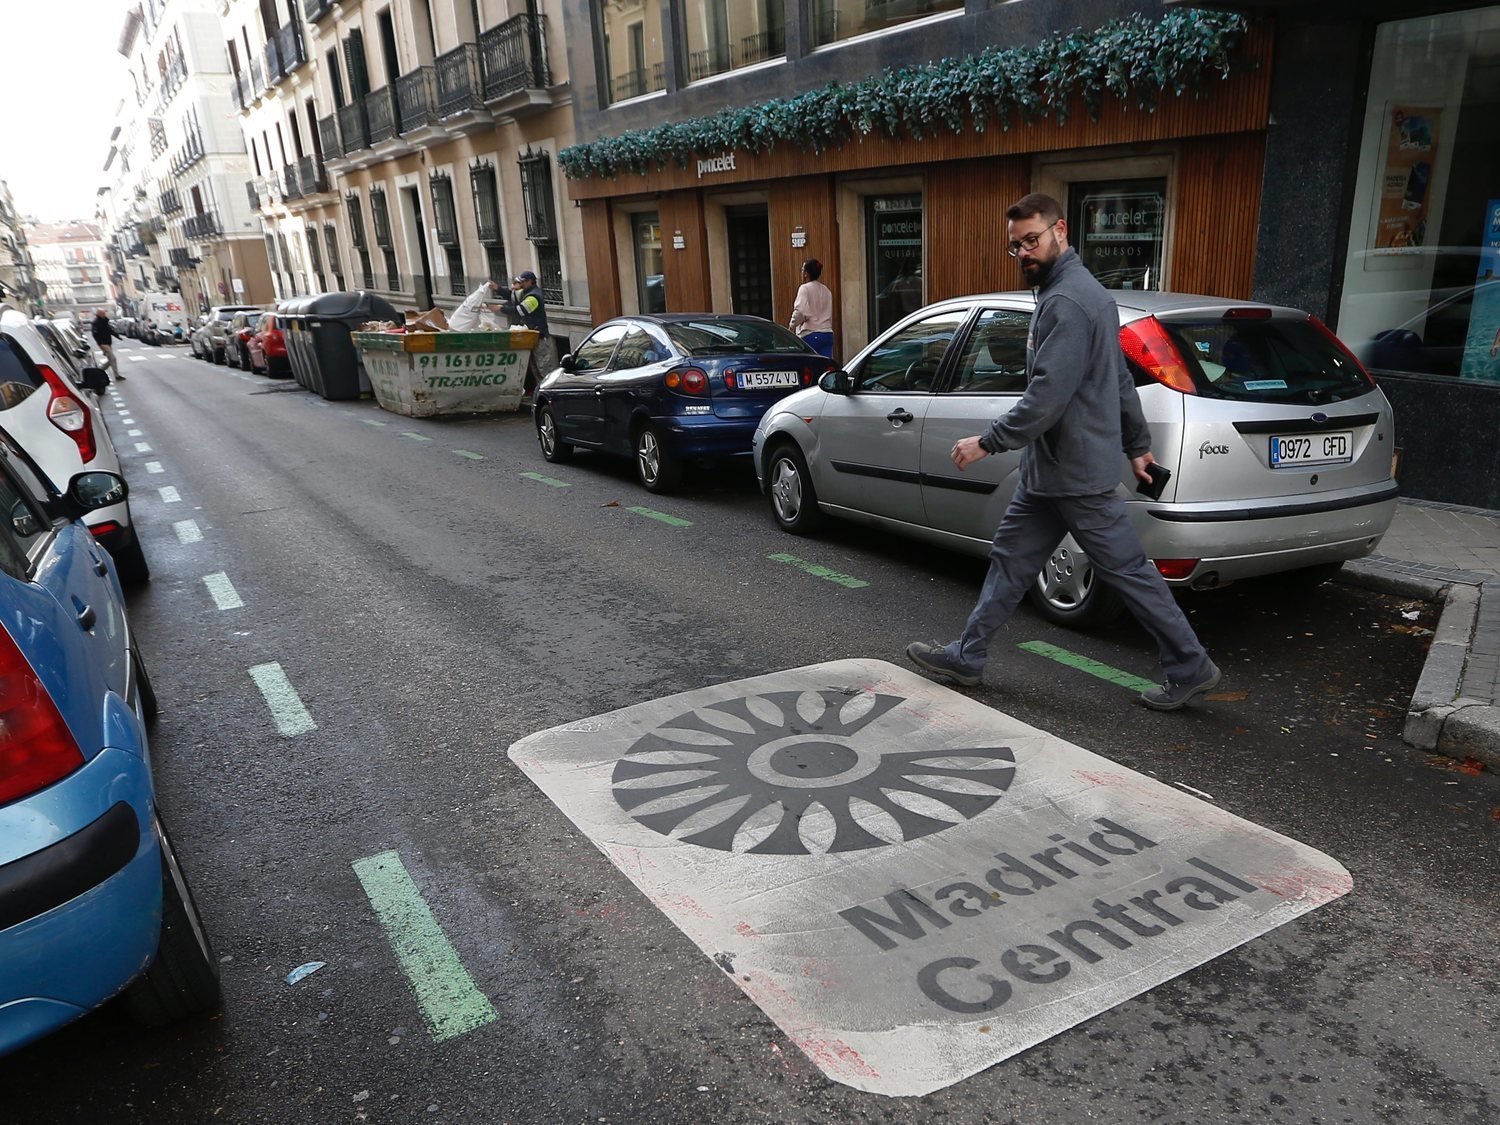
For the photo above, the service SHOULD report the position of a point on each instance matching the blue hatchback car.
(93, 903)
(671, 388)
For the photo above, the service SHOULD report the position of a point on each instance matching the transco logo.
(801, 773)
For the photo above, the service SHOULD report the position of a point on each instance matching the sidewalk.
(1448, 553)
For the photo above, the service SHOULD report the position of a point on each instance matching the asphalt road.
(429, 605)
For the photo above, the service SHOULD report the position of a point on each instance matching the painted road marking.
(142, 447)
(223, 592)
(372, 421)
(819, 571)
(154, 467)
(415, 436)
(450, 1000)
(170, 495)
(136, 358)
(286, 705)
(653, 514)
(1086, 664)
(553, 481)
(188, 531)
(470, 456)
(912, 885)
(133, 433)
(128, 421)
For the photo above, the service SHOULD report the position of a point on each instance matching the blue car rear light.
(36, 747)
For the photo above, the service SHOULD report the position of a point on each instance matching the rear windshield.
(18, 376)
(1272, 360)
(733, 337)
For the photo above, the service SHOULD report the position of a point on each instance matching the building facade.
(18, 282)
(409, 147)
(72, 261)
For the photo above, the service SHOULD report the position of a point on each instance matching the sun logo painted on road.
(801, 773)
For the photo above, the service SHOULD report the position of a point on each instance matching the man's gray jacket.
(1080, 409)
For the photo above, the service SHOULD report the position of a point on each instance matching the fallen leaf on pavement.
(611, 504)
(1495, 813)
(1470, 766)
(1227, 696)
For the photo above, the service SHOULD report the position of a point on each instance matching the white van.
(162, 315)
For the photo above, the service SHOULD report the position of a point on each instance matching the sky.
(62, 81)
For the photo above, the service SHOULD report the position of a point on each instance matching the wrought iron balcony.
(416, 100)
(328, 135)
(311, 176)
(275, 71)
(293, 183)
(458, 81)
(170, 202)
(181, 258)
(257, 78)
(240, 89)
(290, 46)
(513, 56)
(763, 45)
(316, 9)
(380, 113)
(254, 194)
(201, 228)
(354, 127)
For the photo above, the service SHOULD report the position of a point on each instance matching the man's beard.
(1039, 271)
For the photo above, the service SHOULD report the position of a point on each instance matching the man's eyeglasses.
(1028, 242)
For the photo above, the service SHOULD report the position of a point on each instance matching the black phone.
(1160, 474)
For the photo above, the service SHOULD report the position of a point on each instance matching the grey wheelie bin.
(293, 324)
(334, 368)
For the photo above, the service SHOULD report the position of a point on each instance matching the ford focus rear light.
(1338, 346)
(1175, 568)
(688, 381)
(1147, 345)
(36, 747)
(68, 413)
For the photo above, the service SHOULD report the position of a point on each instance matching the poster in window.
(1406, 179)
(1482, 348)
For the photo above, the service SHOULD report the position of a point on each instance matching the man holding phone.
(1079, 411)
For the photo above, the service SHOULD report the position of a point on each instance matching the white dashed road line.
(223, 592)
(286, 705)
(133, 433)
(153, 467)
(170, 495)
(142, 447)
(188, 531)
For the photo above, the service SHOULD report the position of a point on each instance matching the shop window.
(833, 20)
(1117, 227)
(722, 35)
(894, 252)
(633, 58)
(1421, 292)
(650, 278)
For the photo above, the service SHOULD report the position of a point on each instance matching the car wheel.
(657, 469)
(794, 503)
(218, 357)
(183, 978)
(1069, 592)
(553, 447)
(149, 706)
(130, 563)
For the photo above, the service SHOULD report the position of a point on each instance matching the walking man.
(104, 332)
(527, 306)
(1079, 411)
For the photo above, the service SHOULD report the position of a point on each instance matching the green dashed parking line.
(450, 1000)
(372, 421)
(819, 571)
(553, 481)
(653, 514)
(1087, 664)
(415, 436)
(470, 456)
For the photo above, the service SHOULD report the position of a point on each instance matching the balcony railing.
(189, 154)
(180, 257)
(416, 99)
(316, 9)
(328, 135)
(292, 181)
(513, 56)
(254, 193)
(240, 89)
(763, 45)
(290, 46)
(380, 112)
(458, 83)
(257, 78)
(170, 202)
(354, 128)
(311, 176)
(275, 71)
(202, 227)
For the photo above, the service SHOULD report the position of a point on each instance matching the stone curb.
(1439, 717)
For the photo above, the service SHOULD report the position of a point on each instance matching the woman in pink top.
(812, 312)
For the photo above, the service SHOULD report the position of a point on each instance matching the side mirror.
(566, 363)
(837, 382)
(98, 489)
(95, 379)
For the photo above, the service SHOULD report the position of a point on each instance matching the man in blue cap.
(527, 306)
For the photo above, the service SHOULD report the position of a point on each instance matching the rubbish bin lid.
(354, 307)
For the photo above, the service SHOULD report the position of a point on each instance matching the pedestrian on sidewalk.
(1079, 411)
(812, 311)
(104, 332)
(527, 305)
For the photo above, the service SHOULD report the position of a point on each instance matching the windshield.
(1270, 360)
(733, 337)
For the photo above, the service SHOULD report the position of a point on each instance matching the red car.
(267, 348)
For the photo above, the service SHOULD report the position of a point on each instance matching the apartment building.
(18, 283)
(73, 263)
(409, 147)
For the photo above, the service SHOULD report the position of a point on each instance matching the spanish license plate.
(1312, 449)
(758, 380)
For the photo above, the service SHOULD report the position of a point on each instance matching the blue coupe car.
(92, 899)
(670, 389)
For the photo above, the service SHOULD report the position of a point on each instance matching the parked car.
(267, 348)
(127, 326)
(65, 338)
(198, 337)
(237, 338)
(95, 904)
(218, 324)
(1279, 442)
(669, 389)
(61, 430)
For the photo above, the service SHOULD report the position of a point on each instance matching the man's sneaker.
(934, 658)
(1172, 695)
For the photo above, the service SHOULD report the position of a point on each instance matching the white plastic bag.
(467, 317)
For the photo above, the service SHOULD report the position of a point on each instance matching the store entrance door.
(750, 261)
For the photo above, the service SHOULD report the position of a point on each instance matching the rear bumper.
(706, 435)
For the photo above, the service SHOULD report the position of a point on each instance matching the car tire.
(554, 449)
(183, 978)
(130, 562)
(657, 470)
(217, 357)
(1069, 592)
(794, 501)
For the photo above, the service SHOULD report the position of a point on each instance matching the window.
(593, 354)
(894, 252)
(445, 218)
(25, 528)
(380, 213)
(486, 195)
(357, 239)
(315, 257)
(833, 20)
(733, 337)
(634, 60)
(650, 281)
(723, 35)
(335, 265)
(541, 222)
(909, 360)
(638, 349)
(1116, 227)
(994, 359)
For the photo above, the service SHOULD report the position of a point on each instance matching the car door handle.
(87, 617)
(900, 415)
(101, 568)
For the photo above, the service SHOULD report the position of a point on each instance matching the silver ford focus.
(1280, 444)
